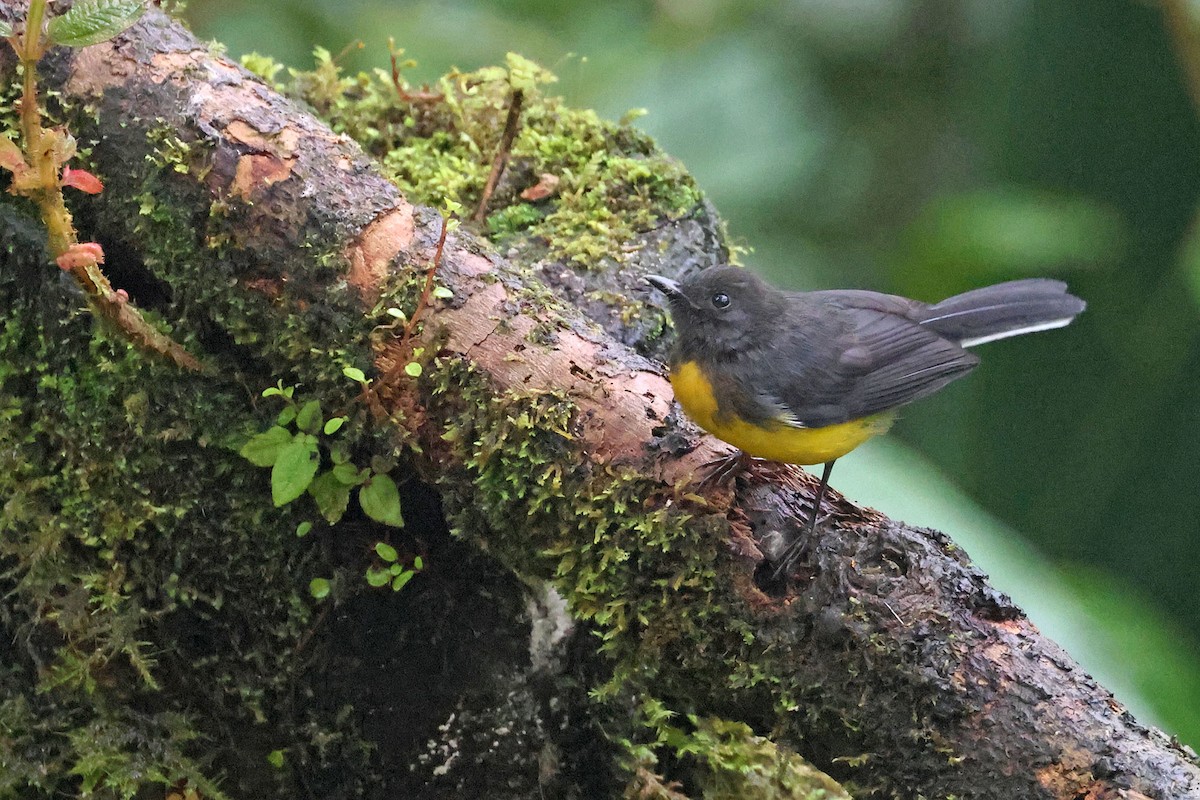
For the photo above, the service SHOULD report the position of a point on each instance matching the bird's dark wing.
(842, 355)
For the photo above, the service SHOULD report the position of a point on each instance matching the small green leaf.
(286, 416)
(263, 449)
(349, 474)
(418, 563)
(339, 454)
(319, 587)
(94, 21)
(331, 496)
(275, 759)
(272, 391)
(294, 469)
(385, 551)
(413, 369)
(396, 569)
(308, 418)
(5, 29)
(377, 577)
(355, 374)
(380, 500)
(402, 579)
(303, 528)
(335, 424)
(442, 293)
(396, 313)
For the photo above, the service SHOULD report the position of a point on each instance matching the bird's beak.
(665, 285)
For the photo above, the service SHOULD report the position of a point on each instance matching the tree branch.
(893, 665)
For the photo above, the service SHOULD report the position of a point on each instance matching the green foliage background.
(925, 147)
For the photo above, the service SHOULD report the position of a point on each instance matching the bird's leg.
(803, 540)
(721, 471)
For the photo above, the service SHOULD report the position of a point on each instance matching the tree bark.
(585, 558)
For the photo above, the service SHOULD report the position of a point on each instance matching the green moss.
(10, 110)
(608, 195)
(264, 67)
(122, 533)
(613, 184)
(156, 595)
(511, 220)
(723, 760)
(733, 763)
(171, 152)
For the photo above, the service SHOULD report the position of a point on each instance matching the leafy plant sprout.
(40, 171)
(305, 458)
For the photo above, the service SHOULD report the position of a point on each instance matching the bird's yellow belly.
(773, 441)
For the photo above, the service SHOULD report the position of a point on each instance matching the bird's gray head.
(721, 309)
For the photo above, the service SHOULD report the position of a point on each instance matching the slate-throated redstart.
(805, 377)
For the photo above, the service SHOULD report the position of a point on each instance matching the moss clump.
(623, 557)
(155, 596)
(122, 550)
(612, 182)
(727, 762)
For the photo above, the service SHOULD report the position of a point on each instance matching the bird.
(805, 377)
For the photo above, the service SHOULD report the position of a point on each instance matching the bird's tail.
(1003, 310)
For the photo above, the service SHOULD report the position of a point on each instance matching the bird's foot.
(797, 551)
(723, 470)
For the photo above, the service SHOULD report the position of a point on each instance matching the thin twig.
(390, 378)
(82, 261)
(423, 301)
(312, 630)
(423, 96)
(502, 153)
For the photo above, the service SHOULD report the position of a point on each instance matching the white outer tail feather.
(1041, 326)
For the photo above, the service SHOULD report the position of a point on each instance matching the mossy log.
(588, 622)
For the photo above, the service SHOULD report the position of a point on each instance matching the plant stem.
(39, 149)
(502, 153)
(32, 44)
(392, 375)
(60, 229)
(423, 301)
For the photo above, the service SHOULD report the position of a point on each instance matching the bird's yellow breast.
(773, 441)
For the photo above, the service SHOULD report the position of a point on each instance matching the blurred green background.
(925, 147)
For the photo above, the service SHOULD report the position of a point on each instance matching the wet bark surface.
(907, 674)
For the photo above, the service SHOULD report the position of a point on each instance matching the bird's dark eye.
(720, 300)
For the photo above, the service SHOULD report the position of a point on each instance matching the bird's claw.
(723, 470)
